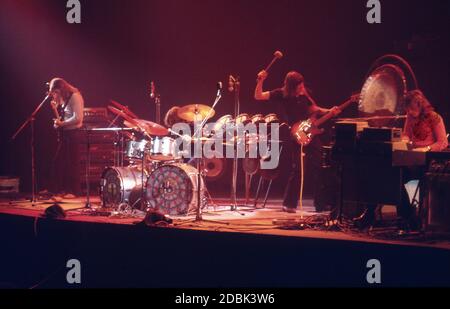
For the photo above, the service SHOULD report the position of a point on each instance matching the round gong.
(383, 92)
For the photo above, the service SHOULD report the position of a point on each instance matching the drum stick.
(277, 55)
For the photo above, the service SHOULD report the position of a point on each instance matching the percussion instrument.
(257, 119)
(243, 118)
(195, 112)
(148, 127)
(137, 149)
(124, 109)
(121, 185)
(383, 93)
(163, 149)
(172, 189)
(271, 118)
(220, 124)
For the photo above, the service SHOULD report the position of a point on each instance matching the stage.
(246, 247)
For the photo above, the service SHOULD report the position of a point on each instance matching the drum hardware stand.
(234, 86)
(197, 135)
(143, 198)
(88, 166)
(31, 120)
(248, 186)
(261, 181)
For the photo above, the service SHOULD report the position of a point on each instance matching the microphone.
(219, 88)
(152, 90)
(231, 81)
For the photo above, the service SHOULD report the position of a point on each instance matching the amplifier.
(437, 201)
(96, 117)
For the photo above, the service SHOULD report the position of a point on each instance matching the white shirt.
(73, 112)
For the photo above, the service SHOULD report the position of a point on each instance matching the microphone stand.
(157, 98)
(88, 167)
(158, 108)
(236, 89)
(30, 120)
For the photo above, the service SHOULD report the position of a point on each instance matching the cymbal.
(114, 129)
(149, 127)
(124, 108)
(193, 112)
(123, 115)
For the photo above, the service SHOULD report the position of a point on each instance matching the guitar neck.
(56, 113)
(328, 116)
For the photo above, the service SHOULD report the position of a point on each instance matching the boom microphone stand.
(30, 120)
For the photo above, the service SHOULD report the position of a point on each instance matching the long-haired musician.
(68, 105)
(424, 128)
(297, 104)
(425, 131)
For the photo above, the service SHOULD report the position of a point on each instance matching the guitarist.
(68, 105)
(295, 104)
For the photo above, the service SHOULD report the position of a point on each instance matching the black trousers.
(312, 161)
(66, 174)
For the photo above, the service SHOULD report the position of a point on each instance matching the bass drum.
(172, 189)
(121, 185)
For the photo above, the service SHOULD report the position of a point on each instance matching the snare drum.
(137, 149)
(163, 149)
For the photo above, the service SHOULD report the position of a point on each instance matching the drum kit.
(155, 176)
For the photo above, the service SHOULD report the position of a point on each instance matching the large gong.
(383, 93)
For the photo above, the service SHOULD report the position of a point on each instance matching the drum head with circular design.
(172, 189)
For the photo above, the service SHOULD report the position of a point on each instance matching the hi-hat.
(195, 112)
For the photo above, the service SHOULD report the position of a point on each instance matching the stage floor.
(218, 217)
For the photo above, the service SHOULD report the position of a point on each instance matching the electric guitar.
(57, 111)
(303, 132)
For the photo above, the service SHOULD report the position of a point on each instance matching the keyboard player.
(424, 131)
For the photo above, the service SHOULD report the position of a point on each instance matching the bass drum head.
(121, 185)
(172, 189)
